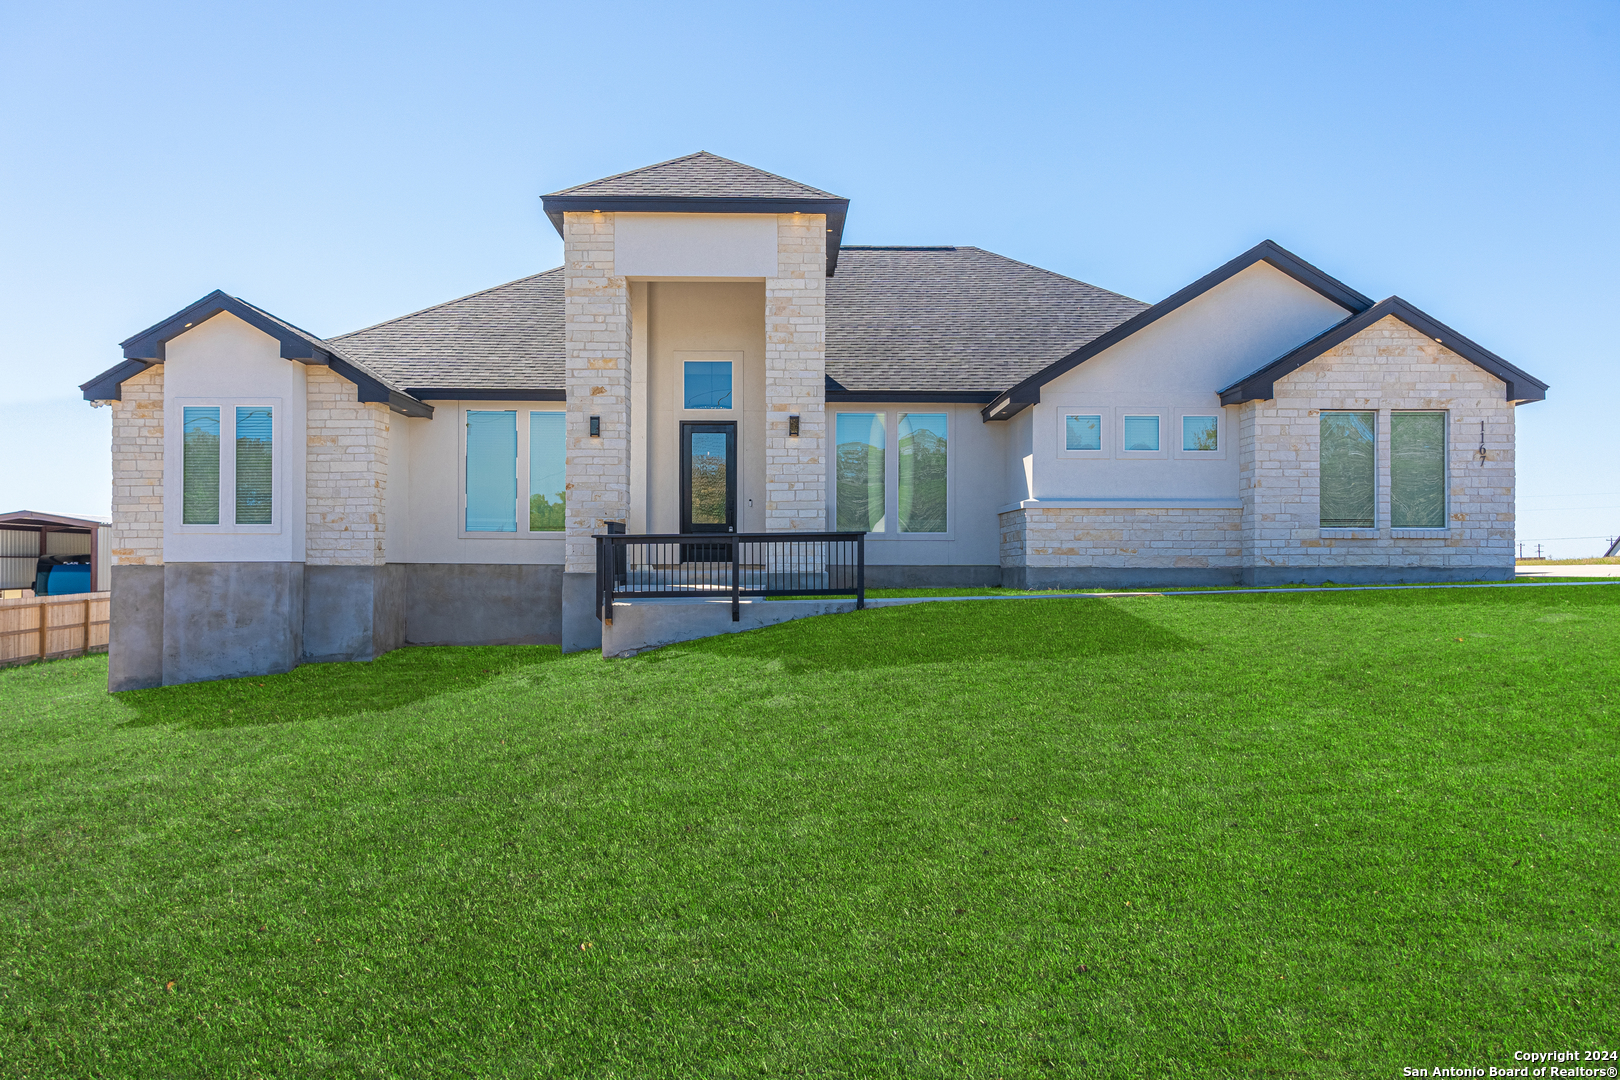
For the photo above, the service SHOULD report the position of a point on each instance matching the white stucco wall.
(224, 361)
(432, 529)
(695, 245)
(1172, 368)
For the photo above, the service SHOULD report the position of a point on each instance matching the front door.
(708, 487)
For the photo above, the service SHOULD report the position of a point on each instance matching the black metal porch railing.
(728, 564)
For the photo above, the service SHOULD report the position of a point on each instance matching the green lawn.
(1311, 834)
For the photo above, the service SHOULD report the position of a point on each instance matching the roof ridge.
(576, 189)
(445, 303)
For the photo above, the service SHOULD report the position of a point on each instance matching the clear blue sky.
(339, 164)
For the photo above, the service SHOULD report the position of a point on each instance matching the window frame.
(1216, 454)
(1122, 454)
(1418, 531)
(891, 469)
(520, 506)
(1105, 431)
(1380, 439)
(731, 392)
(176, 489)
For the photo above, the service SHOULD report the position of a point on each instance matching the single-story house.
(710, 356)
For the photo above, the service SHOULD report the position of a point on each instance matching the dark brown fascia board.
(836, 210)
(1011, 402)
(1520, 385)
(921, 397)
(149, 347)
(457, 393)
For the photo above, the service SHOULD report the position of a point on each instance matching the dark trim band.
(1259, 386)
(1028, 392)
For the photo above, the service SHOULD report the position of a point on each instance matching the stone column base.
(352, 612)
(580, 628)
(135, 633)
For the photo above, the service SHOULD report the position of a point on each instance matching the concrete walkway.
(1603, 570)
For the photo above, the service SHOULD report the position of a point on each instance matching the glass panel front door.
(708, 478)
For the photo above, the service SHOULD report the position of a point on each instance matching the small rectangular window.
(1141, 433)
(1198, 433)
(1417, 470)
(548, 454)
(708, 384)
(491, 471)
(255, 461)
(922, 472)
(859, 472)
(1348, 476)
(1082, 432)
(200, 451)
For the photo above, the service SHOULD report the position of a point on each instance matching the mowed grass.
(1318, 834)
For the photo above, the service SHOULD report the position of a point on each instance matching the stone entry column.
(597, 331)
(795, 376)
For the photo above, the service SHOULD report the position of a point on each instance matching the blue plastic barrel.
(68, 578)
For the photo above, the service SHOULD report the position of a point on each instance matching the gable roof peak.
(698, 175)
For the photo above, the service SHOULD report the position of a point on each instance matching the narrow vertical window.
(547, 471)
(1417, 470)
(1141, 433)
(1348, 471)
(1198, 433)
(491, 471)
(254, 461)
(859, 474)
(1082, 433)
(708, 384)
(922, 472)
(200, 468)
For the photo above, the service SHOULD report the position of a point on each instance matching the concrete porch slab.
(647, 624)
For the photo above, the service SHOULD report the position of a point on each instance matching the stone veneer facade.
(345, 473)
(1387, 367)
(795, 376)
(596, 307)
(1276, 535)
(137, 471)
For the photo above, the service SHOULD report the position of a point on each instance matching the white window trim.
(891, 471)
(1217, 454)
(521, 507)
(1410, 532)
(1122, 454)
(1104, 414)
(1376, 530)
(174, 471)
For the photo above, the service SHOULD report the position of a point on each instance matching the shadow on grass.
(945, 633)
(315, 691)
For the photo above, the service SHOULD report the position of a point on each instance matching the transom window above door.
(708, 384)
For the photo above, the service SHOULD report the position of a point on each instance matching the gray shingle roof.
(959, 320)
(510, 336)
(700, 175)
(955, 319)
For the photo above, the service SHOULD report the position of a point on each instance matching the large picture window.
(1417, 470)
(922, 438)
(859, 488)
(491, 471)
(548, 454)
(1348, 484)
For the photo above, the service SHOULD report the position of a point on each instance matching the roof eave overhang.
(836, 210)
(1028, 392)
(149, 347)
(1520, 386)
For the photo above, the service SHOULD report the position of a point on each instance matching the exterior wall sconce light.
(596, 427)
(793, 427)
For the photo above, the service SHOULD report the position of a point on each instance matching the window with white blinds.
(200, 466)
(227, 465)
(255, 461)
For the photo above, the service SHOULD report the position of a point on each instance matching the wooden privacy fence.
(49, 627)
